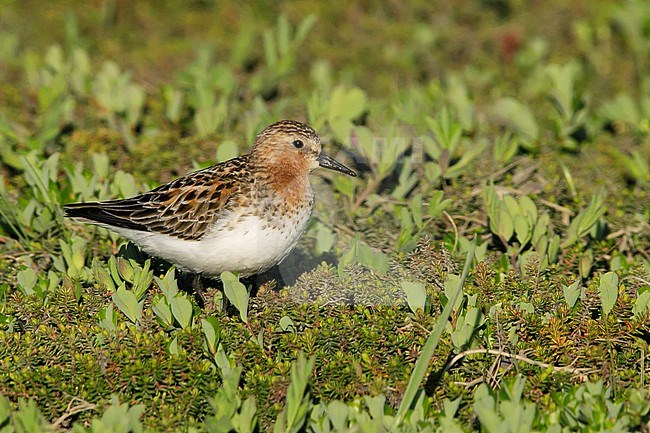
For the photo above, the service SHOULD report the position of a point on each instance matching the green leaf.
(511, 205)
(293, 415)
(27, 279)
(527, 207)
(102, 276)
(286, 324)
(53, 280)
(447, 131)
(246, 420)
(504, 224)
(119, 418)
(342, 129)
(585, 220)
(451, 283)
(174, 99)
(128, 304)
(236, 293)
(375, 260)
(112, 267)
(168, 284)
(173, 347)
(416, 295)
(572, 293)
(642, 304)
(466, 324)
(432, 172)
(608, 291)
(346, 185)
(107, 318)
(437, 205)
(562, 78)
(518, 117)
(125, 268)
(163, 311)
(211, 333)
(182, 310)
(522, 229)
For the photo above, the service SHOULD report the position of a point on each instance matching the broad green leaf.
(642, 304)
(237, 293)
(125, 268)
(341, 128)
(608, 291)
(541, 228)
(518, 117)
(585, 220)
(527, 207)
(470, 153)
(466, 325)
(174, 99)
(452, 282)
(586, 262)
(107, 319)
(246, 420)
(182, 310)
(102, 276)
(173, 347)
(511, 205)
(211, 333)
(286, 324)
(572, 293)
(522, 229)
(163, 311)
(294, 413)
(432, 172)
(375, 260)
(53, 280)
(345, 185)
(349, 256)
(563, 79)
(437, 205)
(168, 284)
(416, 295)
(27, 279)
(128, 304)
(622, 108)
(505, 224)
(446, 130)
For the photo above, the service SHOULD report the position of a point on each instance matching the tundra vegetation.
(487, 271)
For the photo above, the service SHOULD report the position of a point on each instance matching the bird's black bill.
(329, 162)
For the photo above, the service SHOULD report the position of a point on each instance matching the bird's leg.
(197, 286)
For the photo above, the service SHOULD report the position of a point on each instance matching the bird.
(244, 215)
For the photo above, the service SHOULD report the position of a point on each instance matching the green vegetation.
(489, 270)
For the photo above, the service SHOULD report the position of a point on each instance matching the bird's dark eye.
(298, 144)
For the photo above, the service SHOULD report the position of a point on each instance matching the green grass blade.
(429, 347)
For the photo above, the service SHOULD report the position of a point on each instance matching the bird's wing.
(183, 208)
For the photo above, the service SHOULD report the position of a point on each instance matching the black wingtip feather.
(98, 213)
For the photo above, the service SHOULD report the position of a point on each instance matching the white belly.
(251, 246)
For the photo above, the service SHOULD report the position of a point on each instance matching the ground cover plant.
(487, 271)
